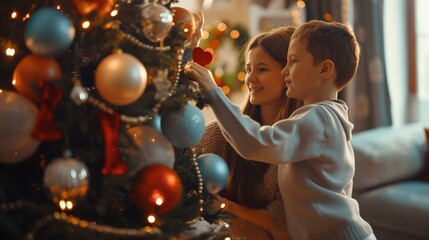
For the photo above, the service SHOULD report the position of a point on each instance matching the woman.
(252, 191)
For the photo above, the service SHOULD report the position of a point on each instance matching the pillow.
(388, 154)
(426, 172)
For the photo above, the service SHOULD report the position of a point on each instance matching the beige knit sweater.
(212, 142)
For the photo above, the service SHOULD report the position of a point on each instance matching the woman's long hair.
(246, 176)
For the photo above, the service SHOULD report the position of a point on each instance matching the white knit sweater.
(316, 165)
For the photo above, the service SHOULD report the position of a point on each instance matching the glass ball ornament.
(120, 79)
(17, 118)
(214, 172)
(156, 21)
(185, 19)
(49, 32)
(149, 147)
(30, 71)
(66, 180)
(103, 7)
(183, 128)
(156, 189)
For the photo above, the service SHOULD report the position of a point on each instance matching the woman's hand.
(201, 75)
(253, 215)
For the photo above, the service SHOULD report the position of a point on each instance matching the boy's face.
(301, 74)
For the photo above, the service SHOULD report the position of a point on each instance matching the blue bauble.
(183, 128)
(48, 32)
(214, 172)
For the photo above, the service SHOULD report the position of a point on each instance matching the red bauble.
(86, 6)
(156, 189)
(30, 71)
(185, 19)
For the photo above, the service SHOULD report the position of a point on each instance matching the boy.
(313, 146)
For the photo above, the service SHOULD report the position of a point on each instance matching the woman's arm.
(260, 217)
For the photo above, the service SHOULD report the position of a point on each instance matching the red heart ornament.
(201, 57)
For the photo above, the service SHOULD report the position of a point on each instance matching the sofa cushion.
(400, 207)
(388, 154)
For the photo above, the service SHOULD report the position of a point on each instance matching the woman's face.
(263, 78)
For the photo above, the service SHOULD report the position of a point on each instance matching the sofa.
(388, 184)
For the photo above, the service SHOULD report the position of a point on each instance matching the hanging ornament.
(17, 117)
(183, 128)
(85, 7)
(149, 147)
(45, 128)
(113, 163)
(48, 32)
(156, 21)
(66, 181)
(162, 85)
(156, 189)
(120, 79)
(201, 57)
(30, 71)
(185, 19)
(214, 172)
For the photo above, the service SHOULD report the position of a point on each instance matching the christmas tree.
(97, 123)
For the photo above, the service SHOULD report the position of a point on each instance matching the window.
(422, 38)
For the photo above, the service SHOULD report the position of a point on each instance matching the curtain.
(367, 95)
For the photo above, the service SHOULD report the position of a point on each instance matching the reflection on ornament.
(85, 7)
(48, 32)
(214, 172)
(17, 118)
(156, 189)
(156, 22)
(120, 79)
(183, 128)
(30, 71)
(149, 147)
(185, 19)
(66, 180)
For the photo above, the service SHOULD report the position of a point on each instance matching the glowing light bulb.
(159, 201)
(114, 13)
(151, 219)
(10, 52)
(62, 204)
(69, 205)
(222, 205)
(14, 15)
(86, 24)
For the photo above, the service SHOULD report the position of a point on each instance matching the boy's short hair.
(334, 41)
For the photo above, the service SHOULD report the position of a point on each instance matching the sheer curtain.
(395, 31)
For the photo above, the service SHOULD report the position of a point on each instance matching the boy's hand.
(201, 75)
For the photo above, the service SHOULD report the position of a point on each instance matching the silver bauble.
(66, 179)
(17, 118)
(156, 22)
